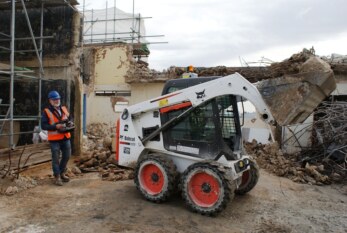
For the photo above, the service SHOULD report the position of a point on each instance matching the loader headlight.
(241, 165)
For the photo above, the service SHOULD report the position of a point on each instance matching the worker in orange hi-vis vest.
(56, 120)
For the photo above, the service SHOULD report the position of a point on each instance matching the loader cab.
(211, 129)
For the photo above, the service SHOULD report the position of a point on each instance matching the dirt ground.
(88, 204)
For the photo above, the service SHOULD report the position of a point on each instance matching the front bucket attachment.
(293, 98)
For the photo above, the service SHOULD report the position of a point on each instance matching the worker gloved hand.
(60, 126)
(70, 124)
(65, 127)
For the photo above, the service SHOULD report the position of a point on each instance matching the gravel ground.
(88, 204)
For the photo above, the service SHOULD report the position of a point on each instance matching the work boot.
(64, 177)
(57, 181)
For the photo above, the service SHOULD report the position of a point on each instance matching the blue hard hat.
(53, 95)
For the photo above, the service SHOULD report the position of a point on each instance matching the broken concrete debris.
(329, 139)
(11, 190)
(11, 185)
(271, 158)
(102, 161)
(139, 72)
(97, 155)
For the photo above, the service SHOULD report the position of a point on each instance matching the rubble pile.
(139, 71)
(12, 183)
(102, 161)
(329, 138)
(294, 167)
(97, 155)
(291, 65)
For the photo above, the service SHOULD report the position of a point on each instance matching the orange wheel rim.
(152, 179)
(204, 189)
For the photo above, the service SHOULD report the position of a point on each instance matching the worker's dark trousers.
(59, 165)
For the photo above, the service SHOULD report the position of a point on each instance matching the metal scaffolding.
(9, 72)
(109, 18)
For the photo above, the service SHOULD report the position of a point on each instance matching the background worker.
(54, 120)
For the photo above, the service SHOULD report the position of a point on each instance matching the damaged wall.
(104, 69)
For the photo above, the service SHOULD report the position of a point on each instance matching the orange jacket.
(54, 135)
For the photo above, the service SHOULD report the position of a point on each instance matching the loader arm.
(234, 84)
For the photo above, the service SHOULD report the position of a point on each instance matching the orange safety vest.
(54, 135)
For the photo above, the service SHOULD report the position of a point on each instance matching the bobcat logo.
(200, 94)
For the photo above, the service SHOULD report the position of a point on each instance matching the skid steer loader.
(189, 140)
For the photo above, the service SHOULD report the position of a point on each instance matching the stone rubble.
(10, 185)
(271, 158)
(97, 155)
(140, 73)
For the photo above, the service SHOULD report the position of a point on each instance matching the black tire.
(155, 177)
(214, 189)
(249, 179)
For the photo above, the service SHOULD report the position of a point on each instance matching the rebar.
(329, 137)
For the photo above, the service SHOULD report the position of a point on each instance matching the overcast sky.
(220, 32)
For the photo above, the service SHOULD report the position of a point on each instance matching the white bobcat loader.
(190, 140)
